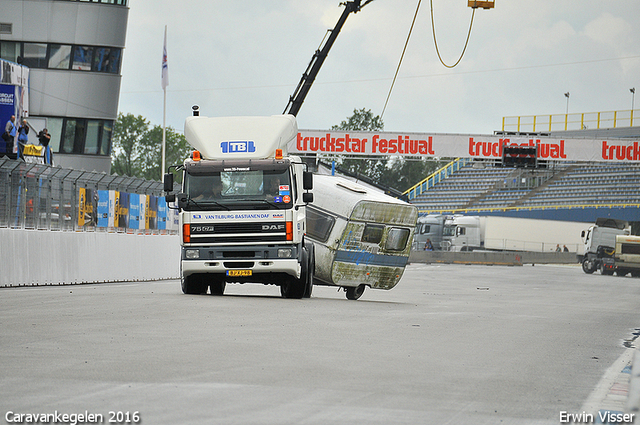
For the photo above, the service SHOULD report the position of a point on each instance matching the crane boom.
(301, 91)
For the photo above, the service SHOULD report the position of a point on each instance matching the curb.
(633, 400)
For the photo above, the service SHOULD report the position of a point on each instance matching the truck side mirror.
(307, 180)
(170, 197)
(168, 182)
(183, 200)
(307, 197)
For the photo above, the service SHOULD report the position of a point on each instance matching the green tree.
(176, 150)
(361, 120)
(128, 132)
(397, 172)
(137, 148)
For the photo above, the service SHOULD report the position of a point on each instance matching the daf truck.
(242, 206)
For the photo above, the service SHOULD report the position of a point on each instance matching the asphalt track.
(451, 344)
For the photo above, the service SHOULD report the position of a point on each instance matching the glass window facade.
(80, 136)
(59, 56)
(116, 2)
(63, 56)
(34, 55)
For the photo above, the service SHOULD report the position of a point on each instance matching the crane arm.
(309, 76)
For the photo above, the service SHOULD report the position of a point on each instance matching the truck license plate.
(238, 272)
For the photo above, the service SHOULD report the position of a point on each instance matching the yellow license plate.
(239, 273)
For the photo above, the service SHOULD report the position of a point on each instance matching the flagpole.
(165, 82)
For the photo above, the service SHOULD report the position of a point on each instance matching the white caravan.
(361, 237)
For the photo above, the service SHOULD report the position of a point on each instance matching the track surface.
(451, 344)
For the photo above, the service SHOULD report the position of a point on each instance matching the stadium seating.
(488, 186)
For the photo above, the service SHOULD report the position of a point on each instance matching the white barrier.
(32, 257)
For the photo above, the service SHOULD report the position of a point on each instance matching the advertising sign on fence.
(134, 210)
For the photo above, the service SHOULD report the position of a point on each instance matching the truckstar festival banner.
(459, 145)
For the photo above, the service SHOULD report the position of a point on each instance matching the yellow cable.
(433, 27)
(401, 57)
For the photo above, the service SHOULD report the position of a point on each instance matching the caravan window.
(372, 233)
(397, 239)
(319, 224)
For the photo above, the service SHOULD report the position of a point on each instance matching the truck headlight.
(284, 253)
(192, 254)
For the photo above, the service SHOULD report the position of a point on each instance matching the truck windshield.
(449, 231)
(251, 189)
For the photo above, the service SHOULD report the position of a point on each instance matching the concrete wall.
(504, 258)
(32, 257)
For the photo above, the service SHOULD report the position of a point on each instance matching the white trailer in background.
(468, 233)
(361, 237)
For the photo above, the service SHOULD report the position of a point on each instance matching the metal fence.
(41, 197)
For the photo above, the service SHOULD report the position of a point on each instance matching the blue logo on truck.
(237, 146)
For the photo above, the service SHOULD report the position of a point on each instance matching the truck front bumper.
(258, 259)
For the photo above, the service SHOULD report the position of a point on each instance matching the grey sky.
(246, 58)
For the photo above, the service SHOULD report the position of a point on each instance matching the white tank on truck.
(361, 237)
(242, 206)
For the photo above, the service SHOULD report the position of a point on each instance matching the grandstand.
(561, 190)
(564, 190)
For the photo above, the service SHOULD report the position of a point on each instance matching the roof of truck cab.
(240, 137)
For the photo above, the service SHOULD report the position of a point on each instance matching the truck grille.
(218, 233)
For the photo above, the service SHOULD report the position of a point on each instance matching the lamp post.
(633, 100)
(566, 115)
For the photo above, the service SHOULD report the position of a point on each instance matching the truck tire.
(217, 286)
(311, 265)
(292, 287)
(193, 285)
(353, 293)
(588, 266)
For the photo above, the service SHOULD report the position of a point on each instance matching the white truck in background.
(243, 206)
(429, 229)
(609, 248)
(469, 233)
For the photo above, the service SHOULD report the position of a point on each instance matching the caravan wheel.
(355, 293)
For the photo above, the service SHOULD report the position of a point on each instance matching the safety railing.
(438, 176)
(480, 210)
(578, 121)
(41, 197)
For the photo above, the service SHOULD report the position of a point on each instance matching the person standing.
(44, 137)
(11, 129)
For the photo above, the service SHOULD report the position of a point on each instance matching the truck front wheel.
(217, 287)
(193, 284)
(588, 266)
(292, 287)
